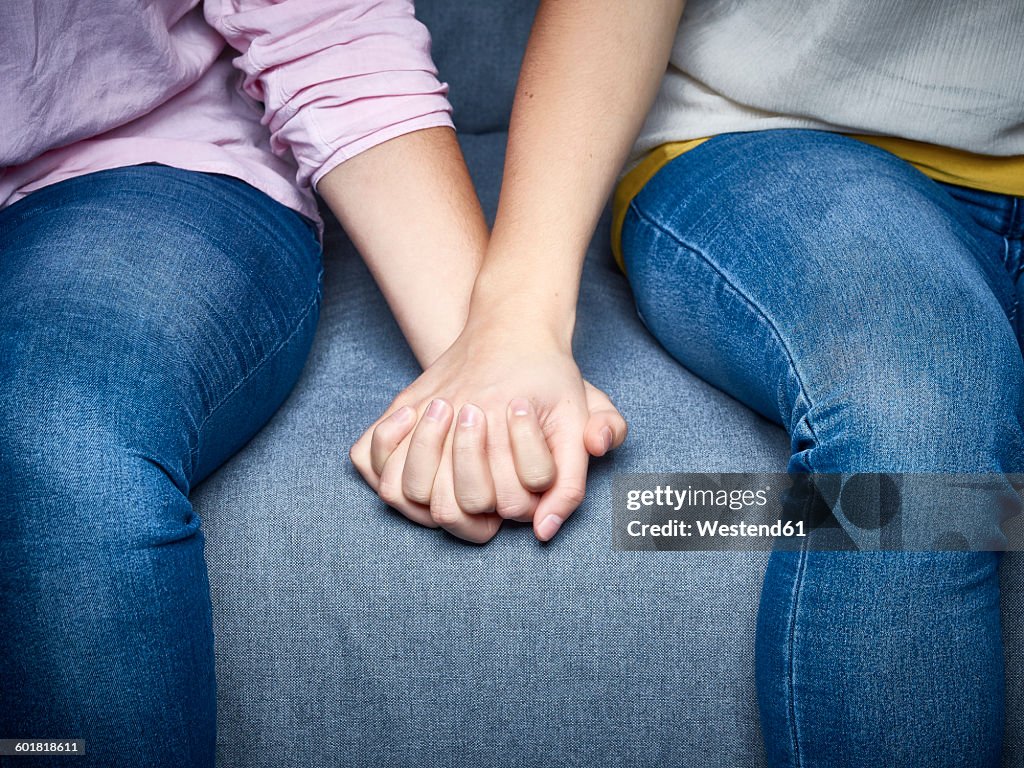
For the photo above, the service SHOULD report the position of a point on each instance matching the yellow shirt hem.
(1004, 175)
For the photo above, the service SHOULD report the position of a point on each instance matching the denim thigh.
(839, 292)
(151, 321)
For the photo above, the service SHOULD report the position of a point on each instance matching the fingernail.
(549, 527)
(606, 433)
(468, 416)
(403, 413)
(519, 406)
(435, 411)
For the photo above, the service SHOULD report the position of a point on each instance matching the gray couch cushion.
(348, 636)
(477, 47)
(342, 640)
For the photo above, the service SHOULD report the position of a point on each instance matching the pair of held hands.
(500, 427)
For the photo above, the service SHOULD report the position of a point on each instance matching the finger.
(445, 511)
(388, 434)
(359, 455)
(534, 466)
(511, 500)
(425, 451)
(473, 485)
(562, 499)
(389, 488)
(606, 429)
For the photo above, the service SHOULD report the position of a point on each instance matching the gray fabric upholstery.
(478, 47)
(340, 638)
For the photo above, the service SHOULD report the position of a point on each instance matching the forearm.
(589, 76)
(409, 206)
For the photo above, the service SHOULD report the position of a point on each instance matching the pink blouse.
(273, 93)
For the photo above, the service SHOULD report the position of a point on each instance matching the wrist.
(430, 344)
(531, 289)
(530, 308)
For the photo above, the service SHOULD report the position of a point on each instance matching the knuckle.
(516, 514)
(444, 514)
(484, 534)
(389, 491)
(382, 434)
(572, 494)
(357, 453)
(475, 503)
(414, 492)
(537, 478)
(514, 508)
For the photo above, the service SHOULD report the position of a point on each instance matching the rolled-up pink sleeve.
(336, 77)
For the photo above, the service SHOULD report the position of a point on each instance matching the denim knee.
(84, 463)
(959, 411)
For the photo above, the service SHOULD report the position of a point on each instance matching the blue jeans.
(151, 321)
(875, 314)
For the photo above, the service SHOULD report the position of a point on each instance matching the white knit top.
(946, 72)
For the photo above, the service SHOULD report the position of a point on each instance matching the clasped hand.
(499, 427)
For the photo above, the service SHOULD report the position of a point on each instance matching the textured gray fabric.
(347, 636)
(477, 47)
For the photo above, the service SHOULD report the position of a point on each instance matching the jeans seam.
(309, 307)
(758, 311)
(1014, 274)
(791, 655)
(1014, 222)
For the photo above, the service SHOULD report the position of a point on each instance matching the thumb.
(562, 498)
(606, 429)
